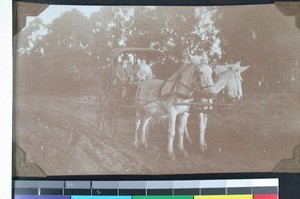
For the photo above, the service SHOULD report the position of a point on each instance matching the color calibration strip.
(161, 189)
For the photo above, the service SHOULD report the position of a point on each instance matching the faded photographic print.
(103, 90)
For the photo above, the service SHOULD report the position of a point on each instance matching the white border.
(6, 85)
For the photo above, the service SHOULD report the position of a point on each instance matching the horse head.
(232, 75)
(203, 74)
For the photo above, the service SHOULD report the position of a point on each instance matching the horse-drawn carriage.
(191, 86)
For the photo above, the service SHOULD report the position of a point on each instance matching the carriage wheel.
(100, 120)
(110, 127)
(106, 118)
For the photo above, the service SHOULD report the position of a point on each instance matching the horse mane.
(180, 70)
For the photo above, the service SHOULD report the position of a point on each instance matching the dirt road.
(60, 135)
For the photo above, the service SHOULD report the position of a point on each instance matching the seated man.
(143, 71)
(123, 75)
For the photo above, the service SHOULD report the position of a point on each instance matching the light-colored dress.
(144, 71)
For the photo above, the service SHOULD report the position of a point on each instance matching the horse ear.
(195, 59)
(243, 68)
(238, 63)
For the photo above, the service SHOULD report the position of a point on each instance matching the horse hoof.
(135, 144)
(203, 148)
(145, 145)
(185, 154)
(172, 156)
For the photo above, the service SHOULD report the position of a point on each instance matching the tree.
(29, 70)
(176, 30)
(74, 45)
(260, 36)
(101, 24)
(67, 48)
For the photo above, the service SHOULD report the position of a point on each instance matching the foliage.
(60, 56)
(73, 51)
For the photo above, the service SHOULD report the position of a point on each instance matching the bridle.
(200, 89)
(220, 96)
(200, 95)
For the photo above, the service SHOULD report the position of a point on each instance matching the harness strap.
(203, 87)
(179, 82)
(172, 92)
(176, 94)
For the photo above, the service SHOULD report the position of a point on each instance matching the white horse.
(228, 80)
(156, 97)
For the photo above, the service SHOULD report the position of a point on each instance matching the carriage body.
(134, 56)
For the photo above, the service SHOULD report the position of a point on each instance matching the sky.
(53, 11)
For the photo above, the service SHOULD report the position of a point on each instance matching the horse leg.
(137, 126)
(181, 130)
(202, 127)
(186, 132)
(144, 131)
(172, 122)
(205, 118)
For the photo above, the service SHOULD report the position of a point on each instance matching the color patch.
(101, 197)
(132, 192)
(105, 192)
(26, 191)
(159, 192)
(240, 191)
(265, 190)
(162, 197)
(52, 192)
(105, 184)
(213, 191)
(159, 184)
(265, 182)
(77, 191)
(265, 196)
(225, 197)
(186, 184)
(186, 191)
(77, 185)
(40, 197)
(39, 184)
(212, 184)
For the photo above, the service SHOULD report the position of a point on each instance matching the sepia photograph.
(111, 90)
